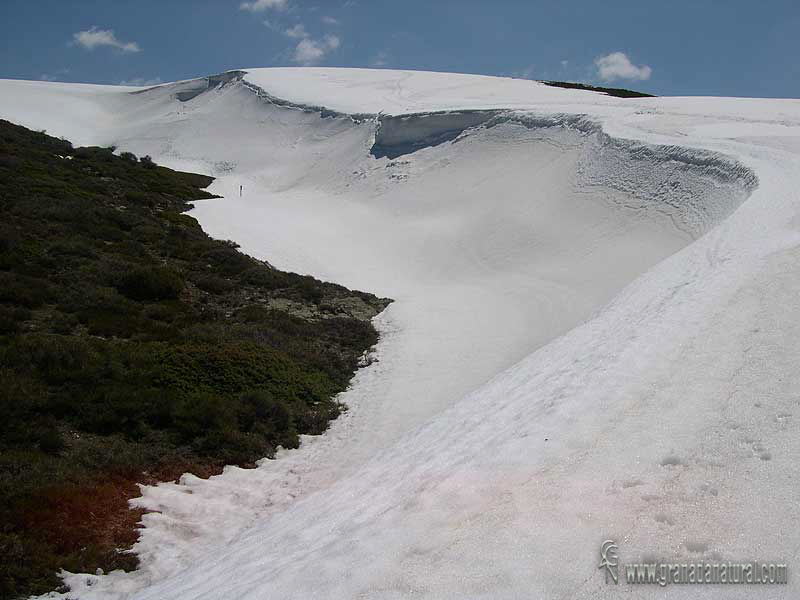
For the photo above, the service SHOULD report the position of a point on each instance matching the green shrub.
(167, 311)
(50, 440)
(264, 277)
(214, 285)
(97, 155)
(109, 323)
(64, 324)
(9, 238)
(140, 198)
(8, 324)
(73, 248)
(22, 290)
(227, 260)
(255, 314)
(53, 358)
(308, 288)
(151, 283)
(201, 412)
(12, 318)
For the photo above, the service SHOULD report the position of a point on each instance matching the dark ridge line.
(616, 92)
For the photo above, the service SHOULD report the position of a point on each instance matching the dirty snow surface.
(595, 333)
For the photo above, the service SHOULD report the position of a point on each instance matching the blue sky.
(675, 47)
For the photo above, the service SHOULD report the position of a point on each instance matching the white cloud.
(380, 60)
(332, 41)
(309, 51)
(261, 5)
(94, 38)
(141, 81)
(298, 31)
(618, 66)
(330, 21)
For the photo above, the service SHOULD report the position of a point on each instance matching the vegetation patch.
(133, 347)
(618, 92)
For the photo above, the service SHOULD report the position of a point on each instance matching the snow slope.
(593, 335)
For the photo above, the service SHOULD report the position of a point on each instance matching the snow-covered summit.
(400, 92)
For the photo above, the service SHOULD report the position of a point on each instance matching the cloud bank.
(95, 38)
(310, 51)
(618, 66)
(261, 5)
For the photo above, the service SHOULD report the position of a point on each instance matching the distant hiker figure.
(240, 191)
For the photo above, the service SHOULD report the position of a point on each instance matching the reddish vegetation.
(91, 523)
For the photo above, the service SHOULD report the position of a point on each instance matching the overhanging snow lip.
(582, 122)
(322, 110)
(714, 163)
(404, 134)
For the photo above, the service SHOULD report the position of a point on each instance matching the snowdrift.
(593, 333)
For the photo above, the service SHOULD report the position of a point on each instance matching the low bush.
(151, 283)
(214, 285)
